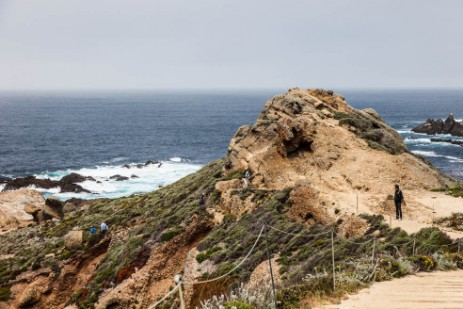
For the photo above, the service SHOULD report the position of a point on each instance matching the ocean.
(51, 134)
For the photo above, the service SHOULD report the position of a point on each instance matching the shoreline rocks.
(76, 178)
(119, 177)
(439, 126)
(25, 182)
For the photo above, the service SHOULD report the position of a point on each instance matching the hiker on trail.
(103, 228)
(202, 200)
(398, 200)
(245, 182)
(245, 179)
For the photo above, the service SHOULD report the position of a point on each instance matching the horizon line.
(220, 89)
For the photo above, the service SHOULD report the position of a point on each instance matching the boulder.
(73, 239)
(19, 206)
(42, 217)
(134, 176)
(69, 207)
(54, 207)
(29, 297)
(119, 177)
(76, 178)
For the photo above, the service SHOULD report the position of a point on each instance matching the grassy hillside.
(149, 220)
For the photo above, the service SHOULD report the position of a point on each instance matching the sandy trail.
(425, 290)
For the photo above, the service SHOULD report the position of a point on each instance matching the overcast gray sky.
(151, 44)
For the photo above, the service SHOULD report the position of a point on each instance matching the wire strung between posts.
(165, 296)
(398, 245)
(299, 234)
(431, 245)
(235, 268)
(359, 243)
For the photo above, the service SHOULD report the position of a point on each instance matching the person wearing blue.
(92, 230)
(103, 228)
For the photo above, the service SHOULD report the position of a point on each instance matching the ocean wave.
(178, 159)
(141, 179)
(2, 186)
(426, 153)
(410, 140)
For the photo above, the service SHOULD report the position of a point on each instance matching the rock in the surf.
(76, 178)
(42, 183)
(439, 126)
(119, 177)
(151, 162)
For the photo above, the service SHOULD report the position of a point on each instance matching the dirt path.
(425, 290)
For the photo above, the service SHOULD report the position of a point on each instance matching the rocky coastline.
(69, 183)
(311, 162)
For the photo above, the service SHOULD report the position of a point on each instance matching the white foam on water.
(54, 190)
(2, 186)
(409, 140)
(425, 153)
(150, 178)
(176, 159)
(404, 131)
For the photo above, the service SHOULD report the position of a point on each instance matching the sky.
(236, 44)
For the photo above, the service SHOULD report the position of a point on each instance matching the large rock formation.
(439, 126)
(328, 152)
(16, 207)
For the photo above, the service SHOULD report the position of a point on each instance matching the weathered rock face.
(42, 183)
(54, 207)
(439, 126)
(16, 207)
(327, 151)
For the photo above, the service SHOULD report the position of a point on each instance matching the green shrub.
(238, 305)
(5, 293)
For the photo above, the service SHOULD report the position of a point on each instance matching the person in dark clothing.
(202, 200)
(398, 200)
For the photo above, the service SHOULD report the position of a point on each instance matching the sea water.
(51, 134)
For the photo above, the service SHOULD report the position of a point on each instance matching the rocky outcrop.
(76, 178)
(439, 126)
(119, 177)
(314, 142)
(43, 183)
(54, 208)
(17, 207)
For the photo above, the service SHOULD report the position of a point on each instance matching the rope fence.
(266, 228)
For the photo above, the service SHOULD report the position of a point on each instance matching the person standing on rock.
(398, 200)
